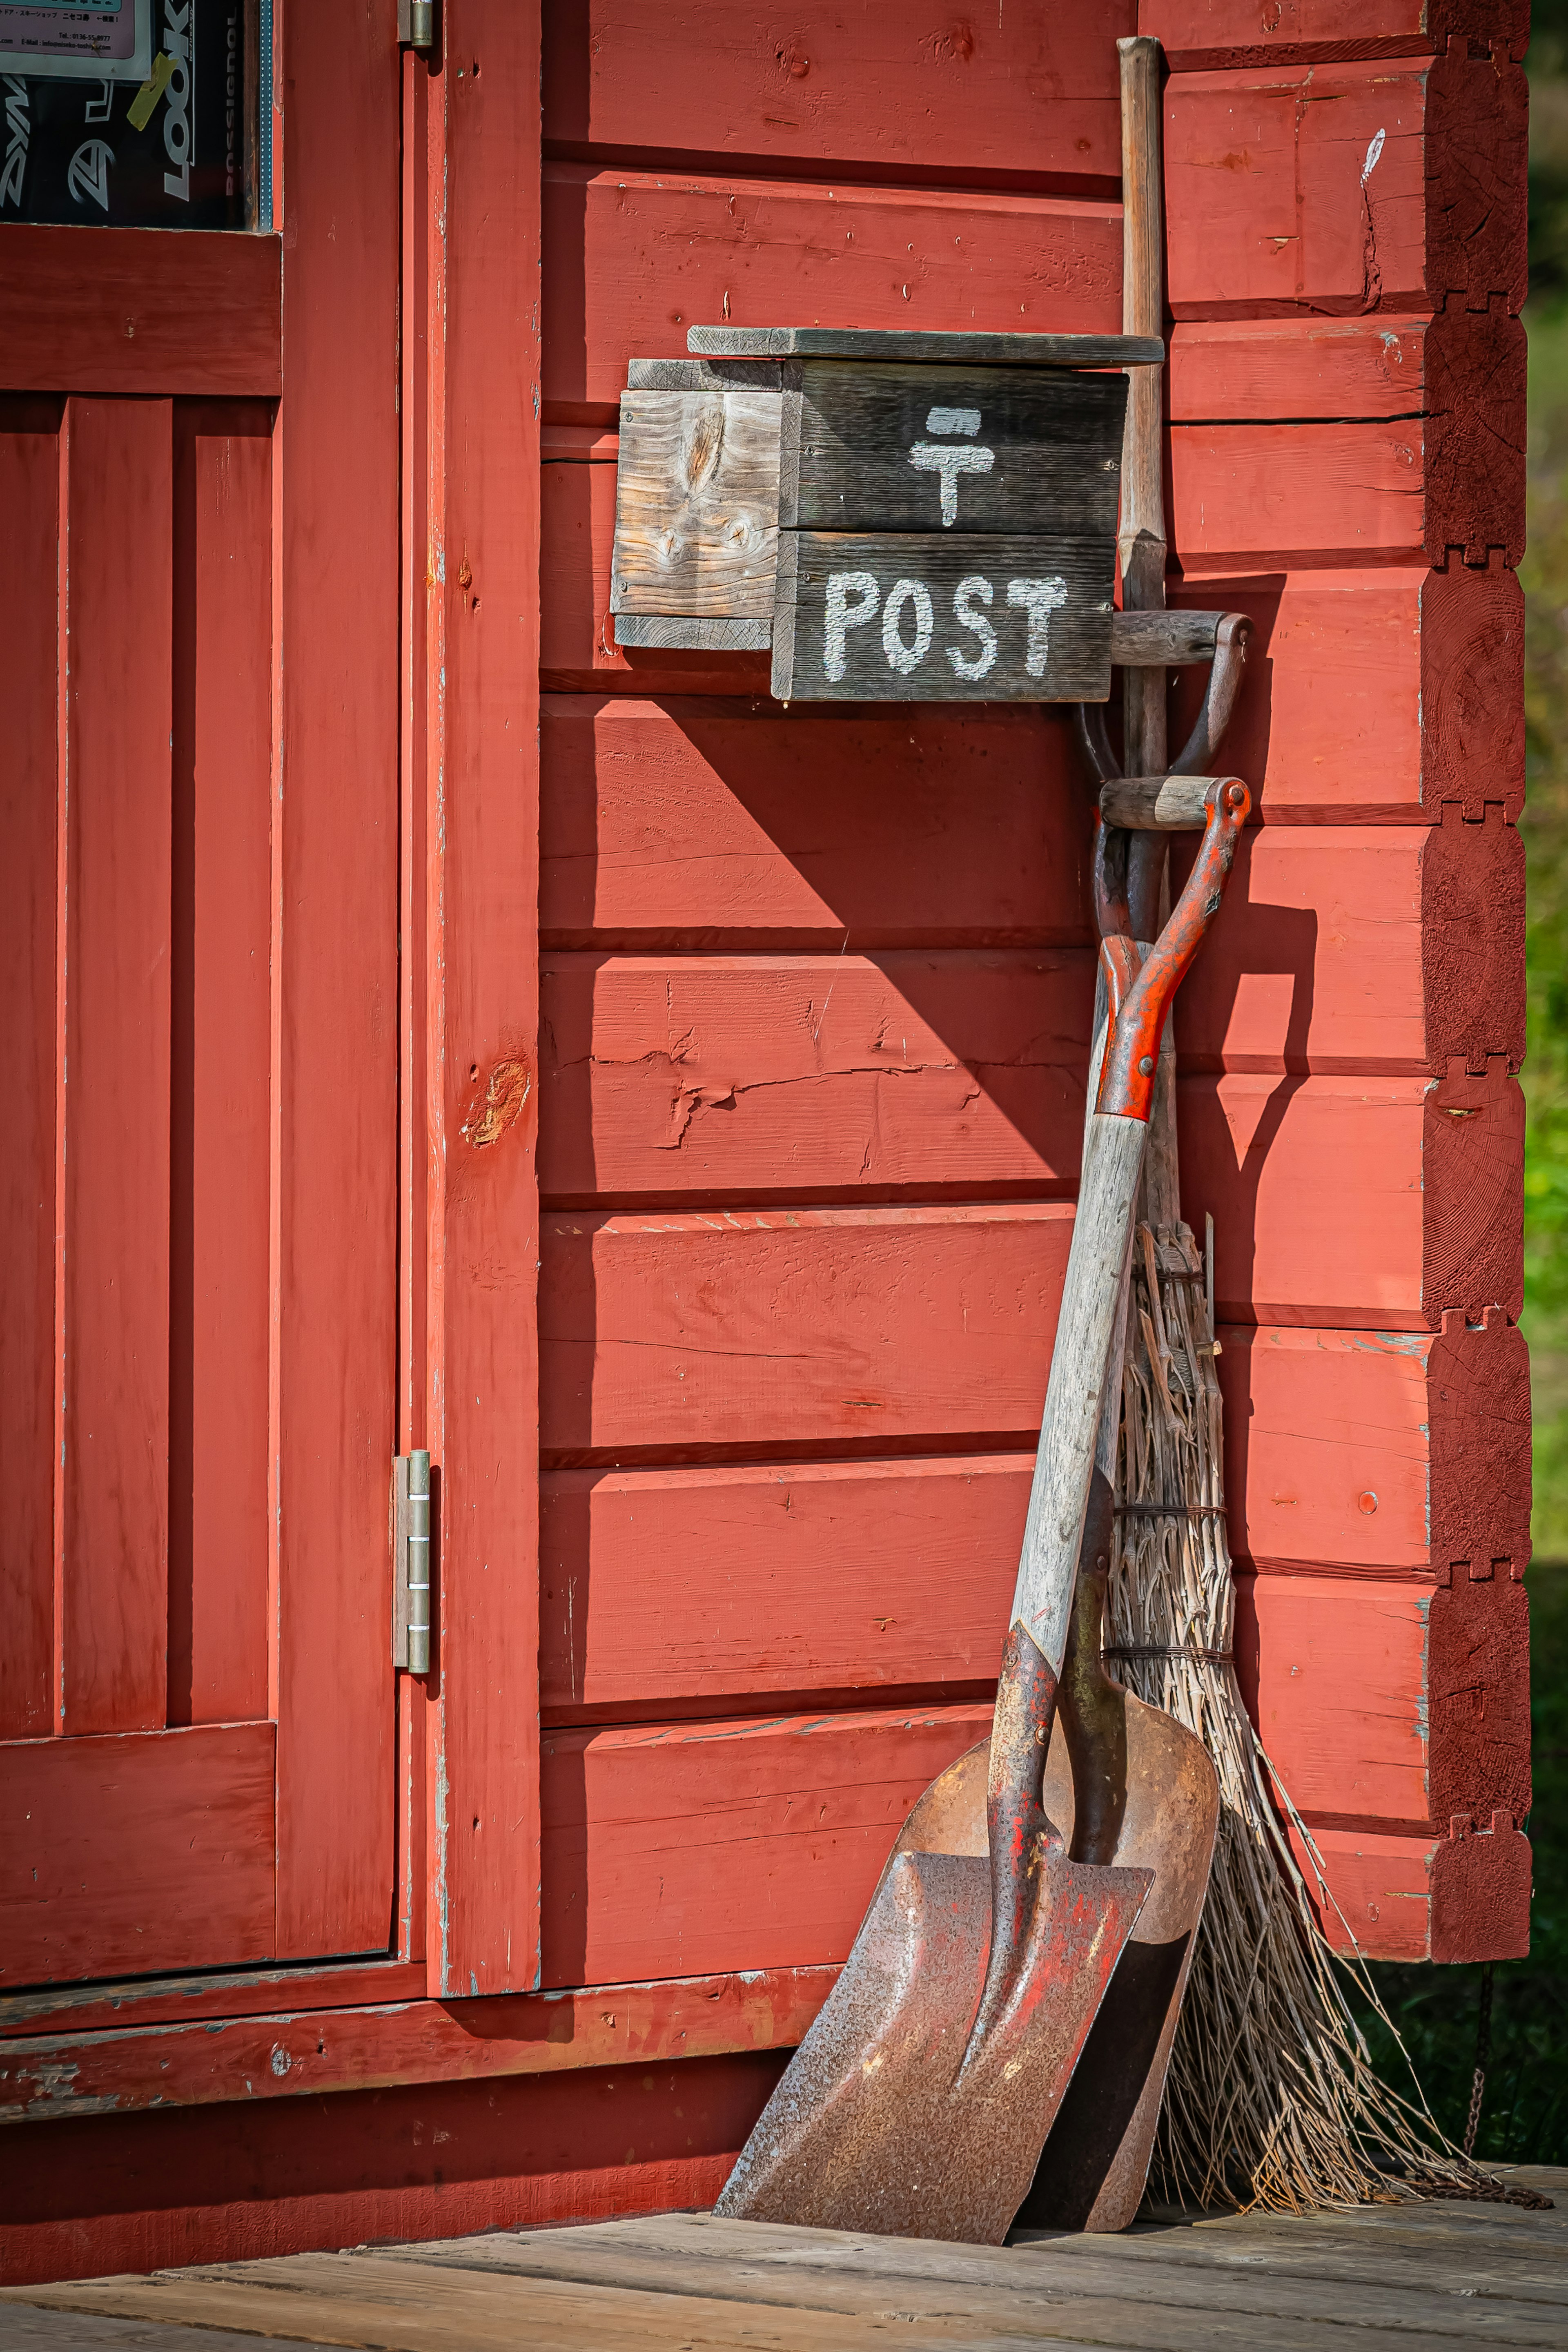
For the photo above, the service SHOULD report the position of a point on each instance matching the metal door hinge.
(416, 24)
(411, 1557)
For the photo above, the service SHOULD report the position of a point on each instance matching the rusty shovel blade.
(871, 2127)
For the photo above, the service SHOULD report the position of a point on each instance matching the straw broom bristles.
(1271, 2099)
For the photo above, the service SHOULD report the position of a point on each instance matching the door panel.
(140, 309)
(136, 1243)
(112, 1119)
(29, 500)
(335, 887)
(197, 1258)
(137, 1852)
(221, 1127)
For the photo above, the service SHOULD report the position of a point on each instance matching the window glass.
(129, 113)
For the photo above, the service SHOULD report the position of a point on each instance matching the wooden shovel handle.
(1085, 1329)
(1108, 867)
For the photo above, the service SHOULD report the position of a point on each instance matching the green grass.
(1544, 574)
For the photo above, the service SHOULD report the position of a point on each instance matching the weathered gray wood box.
(902, 517)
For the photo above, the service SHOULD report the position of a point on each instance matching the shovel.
(920, 2099)
(1128, 1784)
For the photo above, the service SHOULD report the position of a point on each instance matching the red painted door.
(199, 638)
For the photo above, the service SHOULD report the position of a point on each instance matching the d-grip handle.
(1232, 638)
(1141, 994)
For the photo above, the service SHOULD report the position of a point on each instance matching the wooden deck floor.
(1412, 2276)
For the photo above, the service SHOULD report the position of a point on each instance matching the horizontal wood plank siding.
(1462, 1896)
(1349, 1110)
(1270, 497)
(1005, 99)
(1362, 1204)
(1345, 194)
(1391, 1702)
(1428, 703)
(674, 1589)
(633, 257)
(678, 1850)
(1345, 187)
(701, 820)
(242, 2177)
(792, 1329)
(1201, 33)
(1385, 950)
(734, 1078)
(1421, 1453)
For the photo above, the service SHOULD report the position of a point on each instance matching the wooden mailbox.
(905, 517)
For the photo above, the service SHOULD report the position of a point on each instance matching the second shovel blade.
(873, 2126)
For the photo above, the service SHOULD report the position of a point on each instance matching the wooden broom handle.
(1141, 538)
(1141, 535)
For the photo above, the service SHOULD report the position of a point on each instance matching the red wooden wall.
(807, 1067)
(815, 991)
(1347, 406)
(815, 987)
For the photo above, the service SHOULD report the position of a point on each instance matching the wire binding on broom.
(1271, 2099)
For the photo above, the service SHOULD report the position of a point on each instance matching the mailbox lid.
(893, 446)
(927, 345)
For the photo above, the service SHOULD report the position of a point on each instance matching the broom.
(1271, 2099)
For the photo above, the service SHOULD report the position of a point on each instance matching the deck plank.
(1493, 2306)
(1419, 2278)
(31, 2329)
(374, 2304)
(367, 2302)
